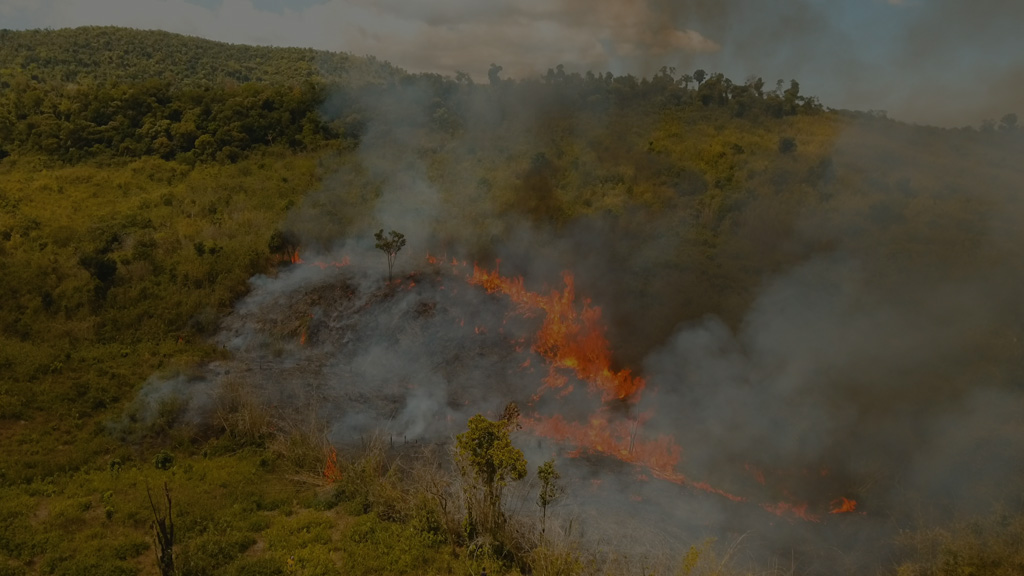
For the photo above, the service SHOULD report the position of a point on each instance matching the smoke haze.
(938, 62)
(869, 350)
(877, 356)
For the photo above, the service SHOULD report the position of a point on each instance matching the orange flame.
(799, 510)
(618, 439)
(572, 341)
(304, 332)
(321, 264)
(842, 505)
(331, 471)
(571, 337)
(333, 264)
(756, 472)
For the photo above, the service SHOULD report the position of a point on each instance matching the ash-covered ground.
(412, 360)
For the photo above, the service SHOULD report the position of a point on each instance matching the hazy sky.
(947, 62)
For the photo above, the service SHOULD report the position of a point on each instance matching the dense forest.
(147, 177)
(106, 92)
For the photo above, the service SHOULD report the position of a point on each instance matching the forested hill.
(101, 55)
(87, 92)
(93, 92)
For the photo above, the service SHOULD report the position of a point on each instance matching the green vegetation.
(146, 177)
(550, 490)
(389, 245)
(110, 92)
(488, 461)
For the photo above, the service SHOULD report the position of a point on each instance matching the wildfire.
(321, 264)
(571, 337)
(572, 341)
(756, 472)
(304, 331)
(842, 505)
(793, 509)
(331, 471)
(619, 440)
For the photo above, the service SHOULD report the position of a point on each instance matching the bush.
(164, 460)
(787, 145)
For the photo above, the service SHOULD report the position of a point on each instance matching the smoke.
(828, 368)
(940, 62)
(869, 349)
(949, 84)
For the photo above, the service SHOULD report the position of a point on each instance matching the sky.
(941, 62)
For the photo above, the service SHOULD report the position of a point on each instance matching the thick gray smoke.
(940, 62)
(880, 361)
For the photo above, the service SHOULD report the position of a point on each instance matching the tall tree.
(699, 75)
(492, 74)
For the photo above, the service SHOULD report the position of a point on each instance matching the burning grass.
(339, 355)
(464, 324)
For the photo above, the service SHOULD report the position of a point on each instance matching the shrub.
(787, 144)
(164, 460)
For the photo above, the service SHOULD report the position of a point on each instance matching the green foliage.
(96, 54)
(95, 93)
(373, 546)
(550, 489)
(370, 484)
(163, 460)
(210, 553)
(488, 461)
(99, 92)
(787, 145)
(389, 245)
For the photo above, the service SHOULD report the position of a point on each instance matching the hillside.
(104, 55)
(801, 288)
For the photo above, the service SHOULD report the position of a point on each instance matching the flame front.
(321, 264)
(619, 439)
(331, 471)
(843, 505)
(571, 337)
(792, 509)
(572, 341)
